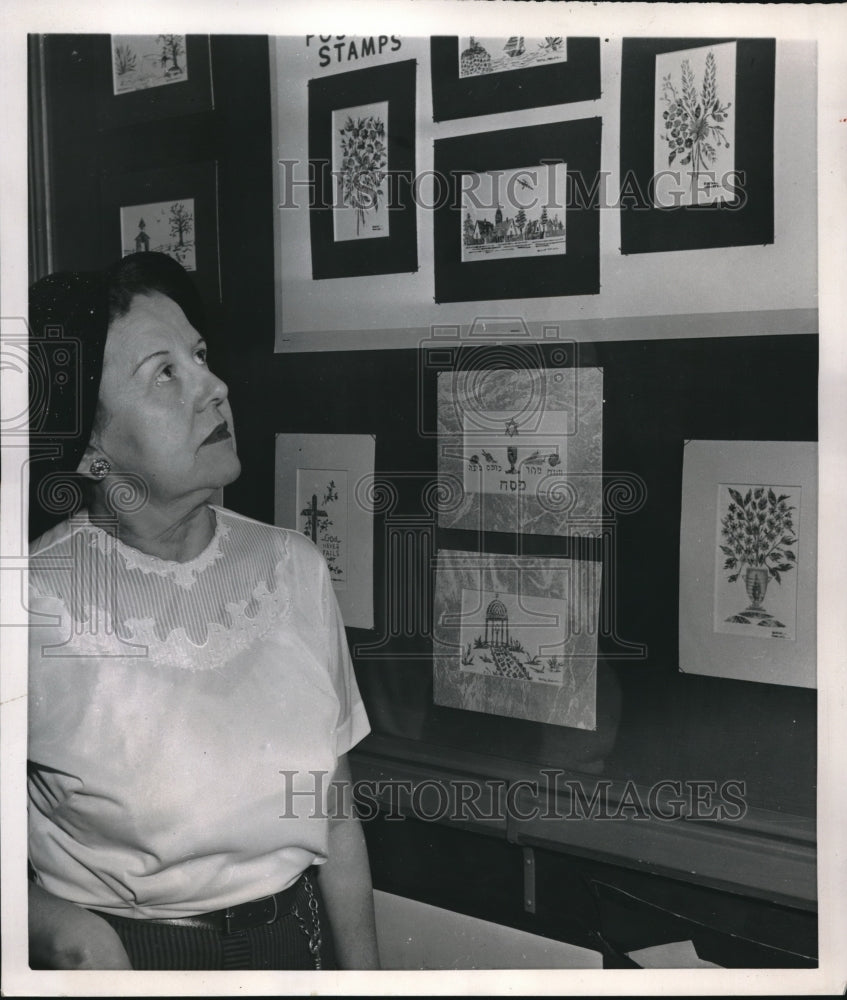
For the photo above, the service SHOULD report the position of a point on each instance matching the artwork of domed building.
(496, 624)
(498, 648)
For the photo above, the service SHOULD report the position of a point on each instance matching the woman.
(191, 693)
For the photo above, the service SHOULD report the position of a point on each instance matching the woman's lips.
(220, 433)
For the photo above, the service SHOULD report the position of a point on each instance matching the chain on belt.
(313, 934)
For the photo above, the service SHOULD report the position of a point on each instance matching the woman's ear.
(88, 457)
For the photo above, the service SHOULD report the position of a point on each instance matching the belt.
(242, 916)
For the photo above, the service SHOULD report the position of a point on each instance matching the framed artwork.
(362, 158)
(172, 210)
(521, 451)
(748, 561)
(152, 77)
(697, 167)
(517, 636)
(486, 76)
(519, 213)
(143, 61)
(317, 476)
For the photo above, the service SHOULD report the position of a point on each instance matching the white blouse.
(185, 719)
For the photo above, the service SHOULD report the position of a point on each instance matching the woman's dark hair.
(143, 273)
(69, 318)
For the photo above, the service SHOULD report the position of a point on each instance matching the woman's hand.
(63, 935)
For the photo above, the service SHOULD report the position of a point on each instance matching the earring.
(100, 468)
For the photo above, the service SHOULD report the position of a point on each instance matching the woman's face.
(162, 414)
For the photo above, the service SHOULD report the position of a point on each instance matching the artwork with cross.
(323, 484)
(312, 514)
(322, 516)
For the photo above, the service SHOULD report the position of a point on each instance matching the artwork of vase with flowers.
(758, 539)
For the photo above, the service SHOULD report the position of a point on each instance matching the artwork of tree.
(181, 221)
(125, 59)
(520, 220)
(172, 49)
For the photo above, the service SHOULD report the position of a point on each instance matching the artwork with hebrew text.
(520, 450)
(505, 456)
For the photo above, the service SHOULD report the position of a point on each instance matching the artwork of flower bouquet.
(364, 164)
(695, 125)
(758, 540)
(362, 128)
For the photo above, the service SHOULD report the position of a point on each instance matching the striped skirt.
(283, 944)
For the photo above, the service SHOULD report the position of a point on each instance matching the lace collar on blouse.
(195, 614)
(182, 573)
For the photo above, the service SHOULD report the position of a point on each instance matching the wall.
(733, 291)
(693, 344)
(653, 721)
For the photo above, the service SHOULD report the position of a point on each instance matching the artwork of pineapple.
(475, 60)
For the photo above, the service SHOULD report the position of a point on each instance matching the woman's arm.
(63, 935)
(346, 883)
